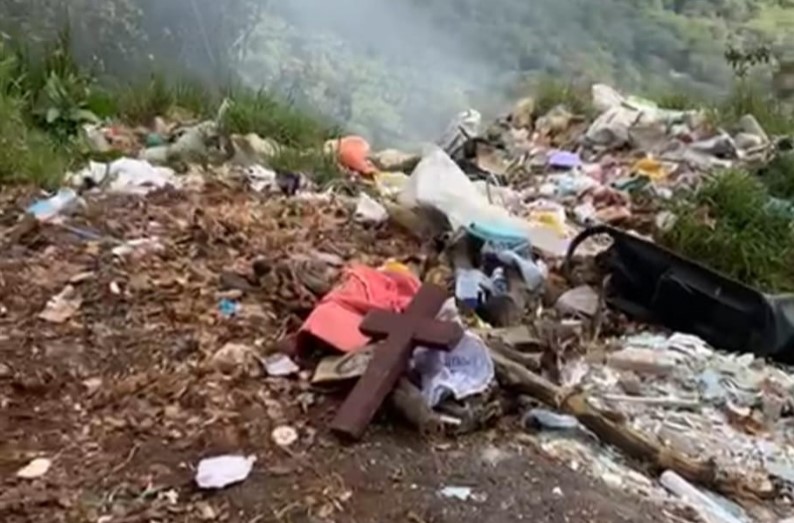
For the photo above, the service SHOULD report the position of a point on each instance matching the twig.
(123, 464)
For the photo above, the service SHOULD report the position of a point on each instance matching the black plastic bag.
(653, 284)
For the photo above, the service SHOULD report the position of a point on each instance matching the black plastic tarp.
(652, 284)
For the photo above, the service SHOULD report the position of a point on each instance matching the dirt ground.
(127, 393)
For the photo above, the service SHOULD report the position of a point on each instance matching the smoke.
(383, 68)
(395, 71)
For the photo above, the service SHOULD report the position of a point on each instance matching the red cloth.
(337, 318)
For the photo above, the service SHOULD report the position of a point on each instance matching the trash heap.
(508, 310)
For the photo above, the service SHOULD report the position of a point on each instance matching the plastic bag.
(464, 371)
(438, 182)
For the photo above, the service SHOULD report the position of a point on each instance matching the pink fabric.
(337, 317)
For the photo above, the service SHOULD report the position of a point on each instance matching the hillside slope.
(395, 71)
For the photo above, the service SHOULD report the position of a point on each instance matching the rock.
(749, 125)
(521, 115)
(35, 469)
(284, 436)
(252, 148)
(393, 160)
(649, 137)
(62, 306)
(547, 419)
(369, 211)
(235, 357)
(5, 371)
(747, 141)
(580, 300)
(556, 121)
(221, 471)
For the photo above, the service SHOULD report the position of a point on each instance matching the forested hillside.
(397, 69)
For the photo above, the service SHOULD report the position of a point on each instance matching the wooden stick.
(633, 443)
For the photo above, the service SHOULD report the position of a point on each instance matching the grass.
(747, 98)
(550, 93)
(142, 103)
(261, 113)
(729, 225)
(28, 154)
(315, 163)
(778, 176)
(45, 99)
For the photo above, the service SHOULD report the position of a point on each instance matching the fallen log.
(513, 375)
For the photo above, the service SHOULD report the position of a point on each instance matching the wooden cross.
(400, 334)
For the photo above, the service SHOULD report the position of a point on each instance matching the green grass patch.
(676, 100)
(322, 168)
(28, 154)
(729, 225)
(550, 93)
(158, 96)
(46, 98)
(746, 98)
(263, 114)
(778, 176)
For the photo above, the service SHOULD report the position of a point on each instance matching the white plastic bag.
(462, 372)
(127, 176)
(438, 182)
(370, 211)
(222, 471)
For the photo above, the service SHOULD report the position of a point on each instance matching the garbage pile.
(504, 313)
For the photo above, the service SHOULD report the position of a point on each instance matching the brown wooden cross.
(400, 334)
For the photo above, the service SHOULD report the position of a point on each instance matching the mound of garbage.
(506, 275)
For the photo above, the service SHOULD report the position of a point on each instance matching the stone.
(580, 300)
(393, 160)
(521, 115)
(749, 124)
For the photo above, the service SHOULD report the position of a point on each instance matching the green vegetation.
(730, 225)
(398, 71)
(774, 115)
(322, 167)
(261, 113)
(778, 176)
(46, 98)
(549, 93)
(469, 53)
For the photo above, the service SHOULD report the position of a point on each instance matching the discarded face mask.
(64, 202)
(653, 284)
